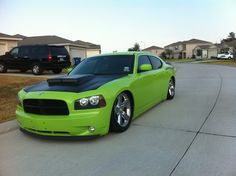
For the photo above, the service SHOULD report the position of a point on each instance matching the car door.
(159, 78)
(24, 57)
(12, 58)
(143, 85)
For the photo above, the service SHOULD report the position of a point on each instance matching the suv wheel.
(3, 68)
(37, 69)
(56, 71)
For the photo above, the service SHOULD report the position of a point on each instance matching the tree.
(136, 47)
(231, 35)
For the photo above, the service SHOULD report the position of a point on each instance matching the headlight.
(19, 101)
(96, 101)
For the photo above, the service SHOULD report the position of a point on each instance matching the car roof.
(127, 53)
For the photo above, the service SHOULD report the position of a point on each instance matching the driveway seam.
(213, 107)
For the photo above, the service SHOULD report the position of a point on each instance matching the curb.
(8, 126)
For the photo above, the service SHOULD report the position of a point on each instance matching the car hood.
(74, 83)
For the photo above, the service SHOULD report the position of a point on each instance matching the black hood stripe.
(79, 83)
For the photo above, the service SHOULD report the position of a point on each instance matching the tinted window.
(39, 51)
(58, 50)
(24, 51)
(14, 51)
(156, 63)
(143, 60)
(114, 64)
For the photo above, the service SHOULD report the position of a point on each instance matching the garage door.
(2, 48)
(77, 53)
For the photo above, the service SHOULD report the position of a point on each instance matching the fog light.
(91, 129)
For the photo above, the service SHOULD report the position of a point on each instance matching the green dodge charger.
(103, 93)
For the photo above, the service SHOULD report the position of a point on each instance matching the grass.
(9, 87)
(179, 60)
(231, 62)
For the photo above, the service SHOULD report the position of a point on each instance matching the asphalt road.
(192, 135)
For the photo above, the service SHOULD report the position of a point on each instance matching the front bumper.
(78, 124)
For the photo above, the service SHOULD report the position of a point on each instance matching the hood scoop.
(69, 80)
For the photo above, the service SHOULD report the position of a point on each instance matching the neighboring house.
(92, 49)
(7, 42)
(185, 49)
(155, 50)
(75, 49)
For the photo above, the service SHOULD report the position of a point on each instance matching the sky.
(117, 24)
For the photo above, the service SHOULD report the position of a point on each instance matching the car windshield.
(105, 65)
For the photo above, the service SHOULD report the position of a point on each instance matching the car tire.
(122, 112)
(3, 68)
(171, 89)
(37, 69)
(229, 58)
(57, 71)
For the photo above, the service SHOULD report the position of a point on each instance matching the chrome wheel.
(171, 90)
(122, 110)
(35, 69)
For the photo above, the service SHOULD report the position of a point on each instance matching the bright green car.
(103, 93)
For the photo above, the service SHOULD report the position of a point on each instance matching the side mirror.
(6, 53)
(145, 67)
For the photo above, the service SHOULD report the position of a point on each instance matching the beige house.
(7, 42)
(155, 50)
(185, 49)
(77, 49)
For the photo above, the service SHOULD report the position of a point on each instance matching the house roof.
(19, 36)
(195, 41)
(191, 41)
(53, 39)
(6, 36)
(152, 48)
(50, 39)
(90, 45)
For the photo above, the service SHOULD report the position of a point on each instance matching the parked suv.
(36, 58)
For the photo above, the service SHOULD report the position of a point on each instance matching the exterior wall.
(190, 48)
(6, 45)
(212, 52)
(92, 52)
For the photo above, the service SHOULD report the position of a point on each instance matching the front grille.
(45, 107)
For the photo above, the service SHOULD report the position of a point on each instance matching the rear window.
(58, 50)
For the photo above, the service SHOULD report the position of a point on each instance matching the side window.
(24, 51)
(143, 60)
(14, 52)
(156, 63)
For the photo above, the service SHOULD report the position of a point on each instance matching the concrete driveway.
(192, 135)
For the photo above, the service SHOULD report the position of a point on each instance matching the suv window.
(24, 51)
(14, 52)
(143, 60)
(39, 51)
(156, 63)
(58, 50)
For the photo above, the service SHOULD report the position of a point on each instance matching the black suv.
(35, 57)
